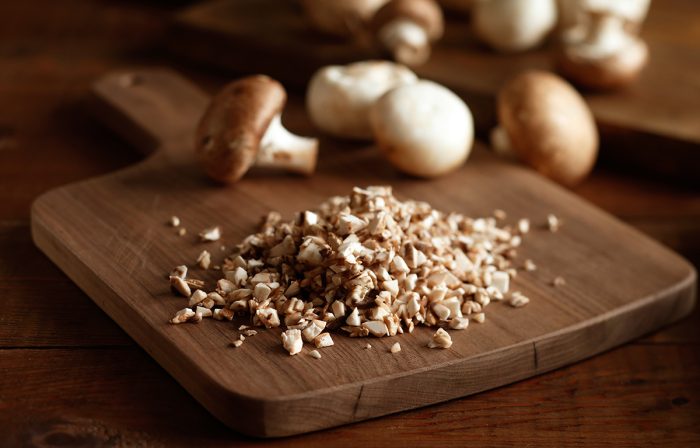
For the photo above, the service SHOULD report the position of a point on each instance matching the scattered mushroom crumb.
(529, 265)
(368, 346)
(179, 271)
(499, 214)
(518, 300)
(395, 348)
(479, 317)
(441, 339)
(181, 231)
(210, 234)
(553, 223)
(315, 354)
(204, 259)
(174, 221)
(558, 281)
(365, 264)
(237, 343)
(292, 342)
(524, 226)
(181, 316)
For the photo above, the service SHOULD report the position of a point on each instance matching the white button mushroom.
(242, 127)
(339, 97)
(513, 25)
(547, 124)
(574, 16)
(423, 129)
(340, 17)
(603, 52)
(406, 29)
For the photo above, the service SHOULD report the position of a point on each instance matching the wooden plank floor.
(70, 376)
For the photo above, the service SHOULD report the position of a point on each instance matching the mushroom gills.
(281, 149)
(406, 40)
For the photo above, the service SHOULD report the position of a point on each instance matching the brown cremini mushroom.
(603, 52)
(406, 29)
(242, 127)
(548, 125)
(343, 18)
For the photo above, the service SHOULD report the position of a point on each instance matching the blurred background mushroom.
(513, 25)
(546, 123)
(406, 29)
(342, 18)
(339, 98)
(600, 46)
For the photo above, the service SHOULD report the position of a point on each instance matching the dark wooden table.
(70, 377)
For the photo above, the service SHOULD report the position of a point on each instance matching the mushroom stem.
(281, 149)
(606, 35)
(500, 142)
(406, 40)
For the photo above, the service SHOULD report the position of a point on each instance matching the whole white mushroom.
(513, 25)
(339, 98)
(423, 129)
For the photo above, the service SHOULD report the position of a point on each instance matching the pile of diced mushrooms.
(369, 264)
(366, 264)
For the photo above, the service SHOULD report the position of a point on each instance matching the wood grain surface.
(271, 36)
(109, 236)
(70, 376)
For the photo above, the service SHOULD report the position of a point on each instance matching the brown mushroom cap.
(549, 126)
(611, 72)
(229, 133)
(426, 13)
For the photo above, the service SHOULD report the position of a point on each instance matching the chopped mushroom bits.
(366, 264)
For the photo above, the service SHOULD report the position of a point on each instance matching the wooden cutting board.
(110, 236)
(653, 125)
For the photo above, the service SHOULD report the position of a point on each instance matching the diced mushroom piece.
(459, 323)
(354, 318)
(196, 298)
(242, 127)
(182, 316)
(180, 286)
(338, 308)
(323, 340)
(268, 317)
(204, 259)
(441, 339)
(395, 348)
(501, 281)
(376, 328)
(210, 234)
(518, 300)
(201, 312)
(348, 224)
(315, 354)
(292, 342)
(314, 329)
(179, 271)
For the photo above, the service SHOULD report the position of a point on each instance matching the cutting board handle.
(151, 108)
